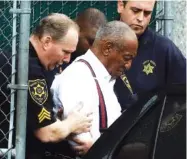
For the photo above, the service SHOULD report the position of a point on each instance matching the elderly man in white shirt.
(114, 48)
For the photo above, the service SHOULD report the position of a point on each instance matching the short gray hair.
(115, 32)
(56, 25)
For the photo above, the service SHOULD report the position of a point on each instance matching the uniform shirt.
(158, 63)
(76, 85)
(39, 106)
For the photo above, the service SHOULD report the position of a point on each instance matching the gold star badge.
(148, 69)
(39, 90)
(44, 114)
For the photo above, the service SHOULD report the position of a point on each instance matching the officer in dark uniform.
(49, 46)
(158, 62)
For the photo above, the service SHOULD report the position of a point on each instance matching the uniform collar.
(32, 51)
(146, 37)
(33, 54)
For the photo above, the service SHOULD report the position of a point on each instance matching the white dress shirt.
(76, 85)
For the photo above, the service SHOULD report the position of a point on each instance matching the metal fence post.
(168, 19)
(12, 103)
(22, 79)
(160, 17)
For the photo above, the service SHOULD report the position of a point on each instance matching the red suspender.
(102, 107)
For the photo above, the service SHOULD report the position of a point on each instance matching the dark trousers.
(61, 150)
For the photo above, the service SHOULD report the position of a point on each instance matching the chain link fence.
(9, 32)
(7, 76)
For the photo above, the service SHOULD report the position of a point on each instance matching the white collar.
(99, 69)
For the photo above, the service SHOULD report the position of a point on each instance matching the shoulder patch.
(44, 114)
(38, 90)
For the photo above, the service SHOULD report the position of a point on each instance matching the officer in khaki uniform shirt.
(49, 47)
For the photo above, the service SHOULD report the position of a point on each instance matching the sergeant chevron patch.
(44, 114)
